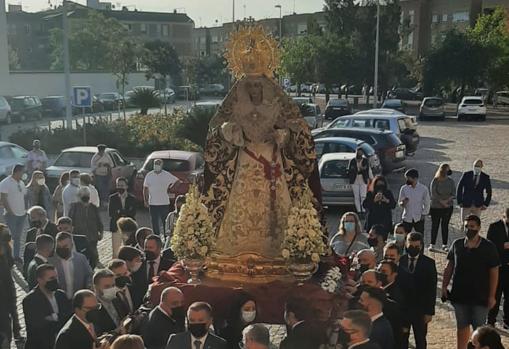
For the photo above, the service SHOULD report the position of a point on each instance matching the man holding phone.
(415, 199)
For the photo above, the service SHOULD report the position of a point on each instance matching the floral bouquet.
(332, 282)
(193, 237)
(303, 236)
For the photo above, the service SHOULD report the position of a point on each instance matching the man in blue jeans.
(472, 265)
(13, 191)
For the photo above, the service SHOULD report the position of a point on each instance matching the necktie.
(476, 180)
(92, 331)
(411, 267)
(151, 271)
(197, 344)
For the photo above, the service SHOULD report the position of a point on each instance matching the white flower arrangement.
(193, 237)
(303, 235)
(332, 280)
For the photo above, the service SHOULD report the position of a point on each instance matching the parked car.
(432, 107)
(337, 107)
(79, 158)
(110, 100)
(312, 114)
(472, 107)
(5, 111)
(396, 104)
(334, 179)
(502, 97)
(212, 106)
(405, 94)
(186, 165)
(401, 125)
(213, 90)
(348, 145)
(379, 111)
(25, 107)
(97, 107)
(188, 93)
(389, 148)
(10, 155)
(167, 93)
(53, 106)
(302, 100)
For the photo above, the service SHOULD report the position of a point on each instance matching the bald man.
(367, 260)
(165, 319)
(474, 191)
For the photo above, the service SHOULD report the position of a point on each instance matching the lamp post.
(67, 66)
(377, 48)
(280, 22)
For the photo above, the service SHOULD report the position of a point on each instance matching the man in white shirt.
(36, 158)
(102, 164)
(156, 188)
(70, 192)
(13, 191)
(415, 200)
(86, 181)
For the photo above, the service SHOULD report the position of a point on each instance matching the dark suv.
(388, 147)
(25, 107)
(53, 106)
(336, 108)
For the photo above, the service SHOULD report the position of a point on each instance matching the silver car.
(312, 114)
(432, 107)
(334, 179)
(5, 111)
(11, 155)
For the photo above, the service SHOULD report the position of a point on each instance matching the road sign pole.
(67, 66)
(84, 126)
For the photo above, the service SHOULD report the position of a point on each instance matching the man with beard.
(473, 264)
(165, 319)
(372, 300)
(123, 283)
(356, 327)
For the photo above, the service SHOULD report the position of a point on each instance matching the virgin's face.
(255, 91)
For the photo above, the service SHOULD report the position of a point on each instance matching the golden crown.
(251, 51)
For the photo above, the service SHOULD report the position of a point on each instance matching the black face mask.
(178, 314)
(449, 172)
(122, 281)
(470, 233)
(36, 224)
(413, 251)
(197, 330)
(150, 255)
(363, 268)
(52, 285)
(409, 182)
(92, 315)
(372, 242)
(121, 190)
(63, 252)
(344, 338)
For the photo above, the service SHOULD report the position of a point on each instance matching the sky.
(203, 12)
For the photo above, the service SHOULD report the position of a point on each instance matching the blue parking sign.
(82, 96)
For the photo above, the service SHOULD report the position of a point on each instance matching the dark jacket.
(300, 337)
(50, 229)
(159, 328)
(379, 212)
(116, 210)
(104, 323)
(41, 332)
(183, 340)
(420, 287)
(381, 333)
(86, 220)
(74, 336)
(32, 267)
(497, 234)
(368, 345)
(140, 280)
(352, 170)
(469, 194)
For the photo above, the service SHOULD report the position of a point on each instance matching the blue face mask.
(349, 226)
(399, 238)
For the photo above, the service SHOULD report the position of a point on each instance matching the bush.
(194, 127)
(145, 98)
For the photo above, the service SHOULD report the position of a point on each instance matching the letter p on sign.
(82, 96)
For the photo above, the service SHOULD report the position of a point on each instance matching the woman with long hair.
(38, 193)
(243, 312)
(379, 204)
(349, 239)
(58, 204)
(443, 192)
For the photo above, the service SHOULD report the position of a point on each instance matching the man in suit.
(300, 334)
(165, 319)
(123, 284)
(79, 332)
(74, 272)
(372, 300)
(472, 188)
(121, 204)
(197, 336)
(134, 261)
(44, 249)
(417, 274)
(256, 336)
(46, 309)
(80, 241)
(498, 234)
(356, 327)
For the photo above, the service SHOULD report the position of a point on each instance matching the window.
(434, 19)
(445, 17)
(382, 125)
(361, 123)
(339, 148)
(143, 27)
(165, 30)
(335, 169)
(460, 16)
(117, 159)
(340, 123)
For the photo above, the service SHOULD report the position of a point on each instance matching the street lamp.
(377, 48)
(67, 65)
(280, 22)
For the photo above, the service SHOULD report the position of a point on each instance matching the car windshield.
(51, 102)
(307, 110)
(472, 102)
(17, 103)
(433, 103)
(392, 103)
(335, 169)
(338, 103)
(170, 165)
(74, 159)
(340, 123)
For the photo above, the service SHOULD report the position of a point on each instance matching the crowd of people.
(74, 301)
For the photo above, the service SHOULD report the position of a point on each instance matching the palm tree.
(195, 125)
(145, 98)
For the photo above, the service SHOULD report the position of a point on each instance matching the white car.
(472, 107)
(334, 179)
(5, 111)
(10, 155)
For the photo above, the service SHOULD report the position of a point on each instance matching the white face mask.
(477, 170)
(75, 181)
(110, 293)
(24, 177)
(248, 316)
(41, 181)
(158, 168)
(136, 267)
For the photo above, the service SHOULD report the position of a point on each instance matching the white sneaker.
(445, 248)
(431, 247)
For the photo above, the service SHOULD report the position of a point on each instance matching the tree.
(161, 61)
(145, 98)
(341, 16)
(195, 126)
(298, 59)
(207, 70)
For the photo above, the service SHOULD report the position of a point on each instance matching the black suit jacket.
(300, 337)
(381, 333)
(104, 322)
(41, 333)
(183, 340)
(50, 229)
(468, 194)
(419, 287)
(497, 233)
(30, 274)
(368, 345)
(74, 336)
(158, 329)
(140, 279)
(116, 210)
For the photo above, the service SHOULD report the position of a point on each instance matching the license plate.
(337, 108)
(342, 186)
(472, 109)
(400, 154)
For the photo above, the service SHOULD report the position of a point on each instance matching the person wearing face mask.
(70, 191)
(197, 336)
(474, 191)
(372, 300)
(45, 247)
(38, 193)
(242, 313)
(86, 181)
(349, 239)
(443, 192)
(87, 222)
(355, 328)
(123, 282)
(101, 165)
(156, 193)
(418, 280)
(400, 234)
(415, 200)
(79, 332)
(300, 333)
(134, 261)
(377, 237)
(379, 204)
(359, 173)
(74, 272)
(37, 160)
(366, 260)
(58, 205)
(121, 205)
(473, 266)
(166, 319)
(46, 309)
(111, 313)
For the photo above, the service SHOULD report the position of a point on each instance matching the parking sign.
(82, 96)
